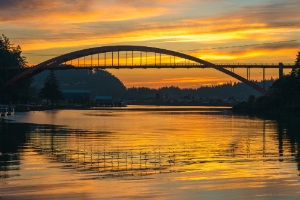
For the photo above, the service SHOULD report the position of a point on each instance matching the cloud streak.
(79, 11)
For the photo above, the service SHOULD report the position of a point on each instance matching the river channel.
(148, 152)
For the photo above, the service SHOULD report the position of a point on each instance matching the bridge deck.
(158, 66)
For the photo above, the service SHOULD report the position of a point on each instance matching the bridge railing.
(186, 65)
(168, 65)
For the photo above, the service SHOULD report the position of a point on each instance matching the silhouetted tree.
(251, 100)
(296, 68)
(10, 57)
(51, 90)
(286, 90)
(157, 96)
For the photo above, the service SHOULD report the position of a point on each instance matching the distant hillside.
(101, 83)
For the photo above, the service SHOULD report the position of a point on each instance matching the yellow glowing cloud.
(250, 53)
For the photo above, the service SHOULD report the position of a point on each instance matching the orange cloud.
(79, 11)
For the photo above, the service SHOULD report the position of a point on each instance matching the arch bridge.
(119, 57)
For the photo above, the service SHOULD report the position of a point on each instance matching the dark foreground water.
(147, 152)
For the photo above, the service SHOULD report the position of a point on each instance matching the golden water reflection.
(188, 149)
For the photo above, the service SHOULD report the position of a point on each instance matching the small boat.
(4, 112)
(11, 111)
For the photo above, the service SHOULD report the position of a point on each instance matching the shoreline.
(27, 108)
(273, 113)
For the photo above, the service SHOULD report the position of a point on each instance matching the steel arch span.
(54, 62)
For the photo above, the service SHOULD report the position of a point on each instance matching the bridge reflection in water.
(96, 154)
(86, 152)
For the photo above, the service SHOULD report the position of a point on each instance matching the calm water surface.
(148, 152)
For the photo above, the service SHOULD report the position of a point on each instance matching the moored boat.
(4, 112)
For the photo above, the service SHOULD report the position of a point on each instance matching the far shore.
(26, 108)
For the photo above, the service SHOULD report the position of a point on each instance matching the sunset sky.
(219, 31)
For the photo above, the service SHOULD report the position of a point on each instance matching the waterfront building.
(103, 100)
(77, 96)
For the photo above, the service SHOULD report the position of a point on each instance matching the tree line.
(236, 89)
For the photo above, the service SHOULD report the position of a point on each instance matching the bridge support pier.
(280, 70)
(264, 78)
(248, 73)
